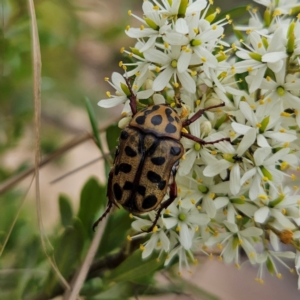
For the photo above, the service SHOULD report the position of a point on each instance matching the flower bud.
(205, 128)
(137, 52)
(182, 8)
(125, 89)
(212, 102)
(266, 173)
(267, 17)
(291, 38)
(151, 23)
(148, 84)
(229, 157)
(124, 122)
(264, 124)
(255, 56)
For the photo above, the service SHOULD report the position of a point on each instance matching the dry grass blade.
(15, 219)
(79, 278)
(37, 66)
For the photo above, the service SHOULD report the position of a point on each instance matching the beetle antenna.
(199, 113)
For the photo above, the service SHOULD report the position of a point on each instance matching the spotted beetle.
(147, 159)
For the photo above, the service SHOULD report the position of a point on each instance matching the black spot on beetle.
(162, 185)
(141, 190)
(158, 161)
(130, 152)
(149, 202)
(140, 120)
(155, 107)
(170, 128)
(153, 177)
(177, 119)
(117, 170)
(175, 151)
(169, 112)
(156, 120)
(153, 147)
(117, 191)
(124, 135)
(128, 186)
(125, 168)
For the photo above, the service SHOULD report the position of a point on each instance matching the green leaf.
(234, 13)
(92, 199)
(121, 290)
(93, 121)
(65, 209)
(134, 268)
(112, 136)
(67, 253)
(115, 232)
(198, 292)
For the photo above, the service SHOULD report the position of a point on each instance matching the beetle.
(147, 159)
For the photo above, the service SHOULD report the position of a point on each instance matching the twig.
(9, 183)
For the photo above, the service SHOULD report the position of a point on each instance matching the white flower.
(232, 161)
(233, 239)
(260, 58)
(266, 122)
(154, 26)
(280, 90)
(185, 221)
(118, 83)
(265, 171)
(170, 66)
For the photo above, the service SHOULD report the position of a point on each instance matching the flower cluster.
(231, 195)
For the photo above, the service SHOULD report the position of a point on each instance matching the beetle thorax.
(160, 120)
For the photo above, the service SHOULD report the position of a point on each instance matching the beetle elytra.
(147, 159)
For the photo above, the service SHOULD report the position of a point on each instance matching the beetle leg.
(202, 142)
(132, 98)
(173, 196)
(199, 113)
(111, 200)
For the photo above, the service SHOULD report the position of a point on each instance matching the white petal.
(247, 141)
(181, 26)
(175, 38)
(262, 214)
(251, 231)
(235, 185)
(170, 222)
(262, 141)
(185, 237)
(220, 202)
(248, 113)
(162, 80)
(156, 56)
(187, 82)
(250, 173)
(273, 56)
(274, 240)
(184, 61)
(111, 102)
(231, 226)
(240, 128)
(209, 207)
(216, 168)
(165, 242)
